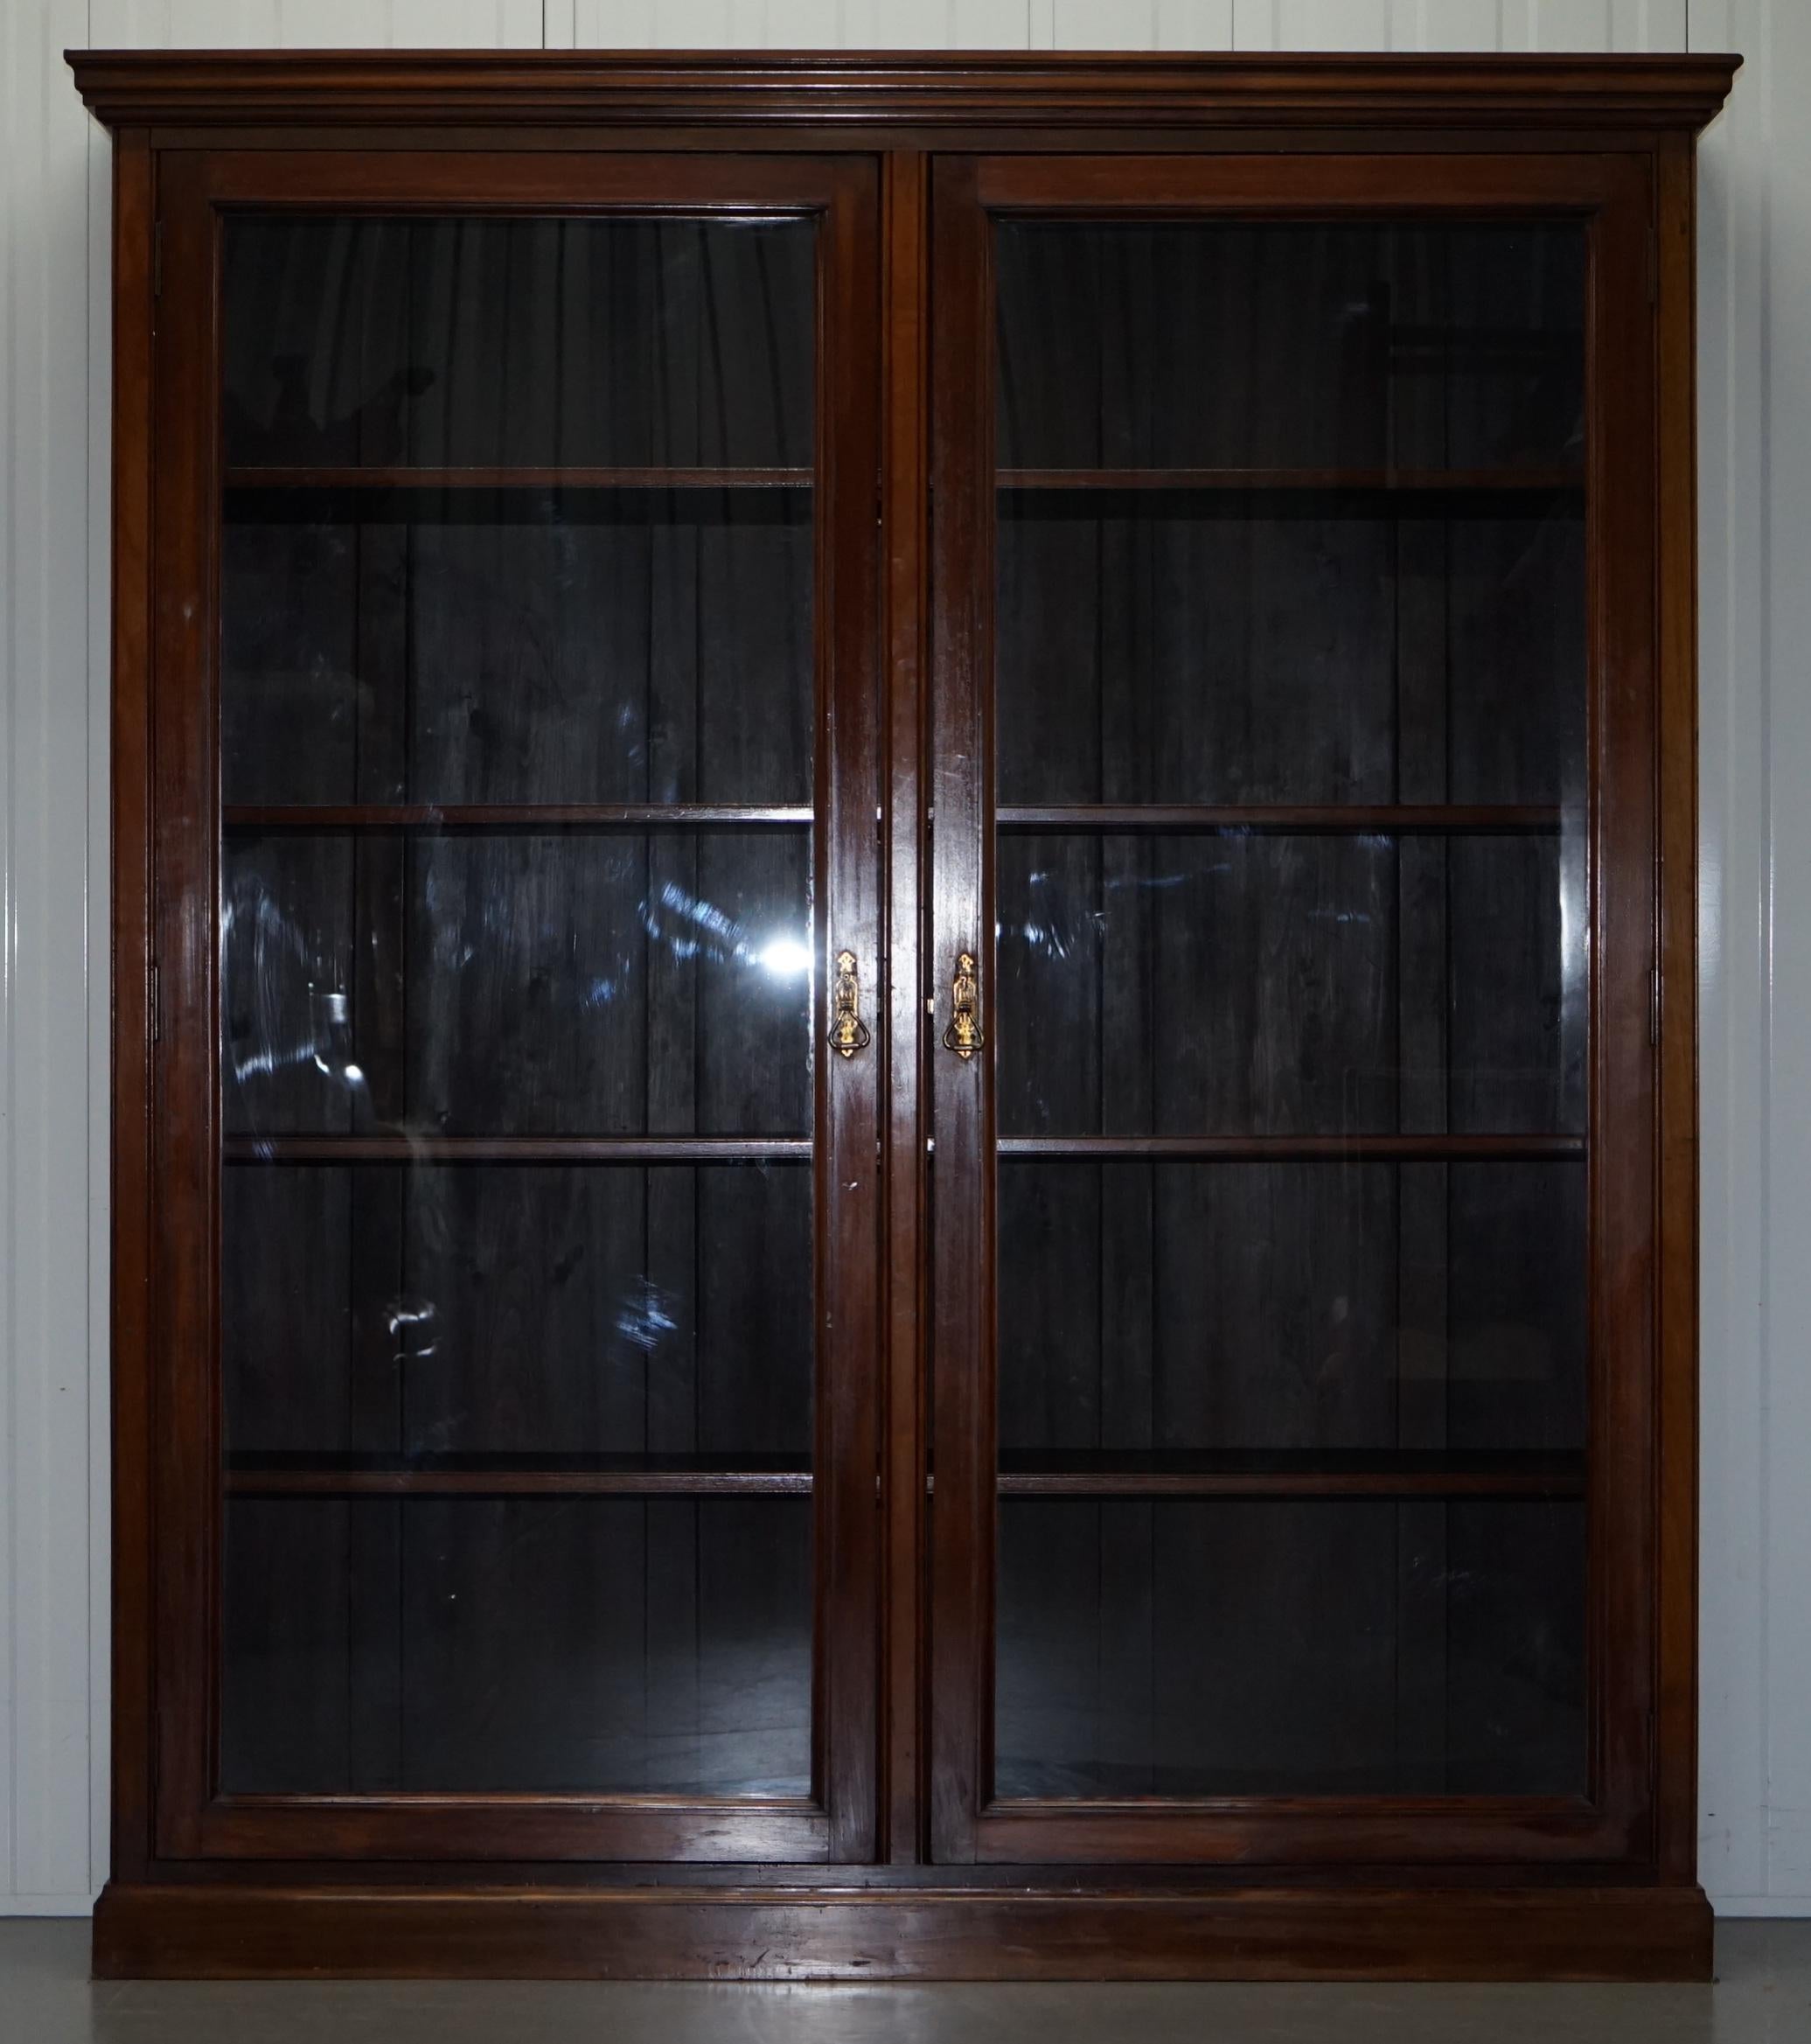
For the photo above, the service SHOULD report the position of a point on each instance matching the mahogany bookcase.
(905, 1118)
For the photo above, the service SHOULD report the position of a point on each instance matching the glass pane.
(1351, 982)
(1282, 344)
(480, 541)
(1290, 645)
(1326, 1647)
(527, 1643)
(469, 342)
(518, 533)
(1291, 874)
(385, 1315)
(519, 644)
(1308, 1308)
(491, 982)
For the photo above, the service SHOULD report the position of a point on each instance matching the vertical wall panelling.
(44, 1262)
(926, 24)
(320, 24)
(1154, 24)
(13, 30)
(1544, 25)
(1447, 24)
(474, 25)
(1755, 297)
(1766, 960)
(99, 1017)
(1788, 1192)
(1733, 936)
(1194, 24)
(643, 24)
(612, 25)
(1311, 24)
(1103, 24)
(806, 25)
(1554, 26)
(200, 24)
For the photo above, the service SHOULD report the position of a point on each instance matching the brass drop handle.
(848, 1032)
(964, 1035)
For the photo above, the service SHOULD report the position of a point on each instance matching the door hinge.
(1654, 1006)
(158, 259)
(156, 1006)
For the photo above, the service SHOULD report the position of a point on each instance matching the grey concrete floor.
(1763, 1996)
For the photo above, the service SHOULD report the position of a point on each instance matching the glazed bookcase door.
(518, 1230)
(1294, 1373)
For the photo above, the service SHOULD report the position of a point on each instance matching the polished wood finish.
(1364, 482)
(1104, 1475)
(1256, 1473)
(255, 1476)
(1676, 1019)
(905, 510)
(403, 1149)
(1248, 1933)
(193, 1817)
(961, 1590)
(133, 957)
(972, 1822)
(517, 816)
(903, 1861)
(1484, 818)
(929, 93)
(378, 476)
(1256, 1149)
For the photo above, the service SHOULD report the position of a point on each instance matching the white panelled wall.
(1755, 868)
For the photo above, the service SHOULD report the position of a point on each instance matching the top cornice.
(923, 91)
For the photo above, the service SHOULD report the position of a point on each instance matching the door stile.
(1625, 1443)
(960, 1366)
(849, 1192)
(904, 519)
(185, 1137)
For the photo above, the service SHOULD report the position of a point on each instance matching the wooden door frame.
(1614, 1821)
(192, 1818)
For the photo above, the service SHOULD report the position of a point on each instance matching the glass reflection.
(489, 984)
(422, 1310)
